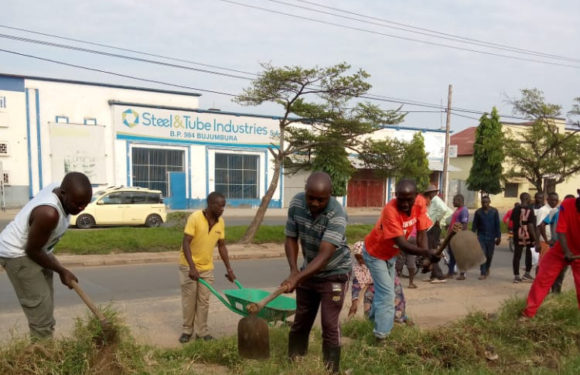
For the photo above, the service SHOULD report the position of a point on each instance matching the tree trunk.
(538, 185)
(259, 217)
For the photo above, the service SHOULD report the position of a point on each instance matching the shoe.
(428, 279)
(517, 279)
(184, 338)
(527, 277)
(438, 281)
(412, 286)
(204, 338)
(460, 277)
(524, 318)
(482, 277)
(450, 276)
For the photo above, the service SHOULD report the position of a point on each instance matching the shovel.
(450, 233)
(109, 332)
(253, 335)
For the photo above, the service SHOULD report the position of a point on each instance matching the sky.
(234, 37)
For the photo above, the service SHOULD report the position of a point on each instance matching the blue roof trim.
(11, 83)
(88, 83)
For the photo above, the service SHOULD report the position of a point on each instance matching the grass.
(166, 238)
(548, 344)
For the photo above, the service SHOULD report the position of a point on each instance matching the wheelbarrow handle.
(218, 295)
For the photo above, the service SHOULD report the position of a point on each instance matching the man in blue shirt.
(486, 226)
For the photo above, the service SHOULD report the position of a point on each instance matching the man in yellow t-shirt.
(204, 229)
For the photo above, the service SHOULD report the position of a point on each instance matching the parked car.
(120, 205)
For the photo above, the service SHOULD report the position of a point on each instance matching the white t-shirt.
(14, 237)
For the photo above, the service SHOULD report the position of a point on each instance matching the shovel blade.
(253, 338)
(467, 250)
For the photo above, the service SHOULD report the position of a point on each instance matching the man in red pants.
(561, 254)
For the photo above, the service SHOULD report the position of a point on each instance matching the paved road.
(124, 283)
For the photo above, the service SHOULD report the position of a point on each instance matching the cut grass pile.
(548, 344)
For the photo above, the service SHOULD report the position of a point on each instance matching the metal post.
(445, 187)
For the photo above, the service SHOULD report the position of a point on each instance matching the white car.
(120, 205)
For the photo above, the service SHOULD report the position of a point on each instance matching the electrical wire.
(399, 36)
(428, 32)
(114, 73)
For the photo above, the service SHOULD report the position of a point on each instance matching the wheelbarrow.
(237, 301)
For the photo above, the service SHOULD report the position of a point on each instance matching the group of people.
(409, 224)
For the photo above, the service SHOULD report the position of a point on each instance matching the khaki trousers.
(34, 289)
(195, 302)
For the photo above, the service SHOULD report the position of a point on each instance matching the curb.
(148, 258)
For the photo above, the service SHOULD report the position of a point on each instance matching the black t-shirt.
(522, 216)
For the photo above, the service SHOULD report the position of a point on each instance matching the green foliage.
(384, 157)
(486, 171)
(541, 150)
(415, 165)
(133, 240)
(318, 121)
(547, 344)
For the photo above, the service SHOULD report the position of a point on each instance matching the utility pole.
(445, 186)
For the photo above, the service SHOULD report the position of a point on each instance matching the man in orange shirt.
(382, 245)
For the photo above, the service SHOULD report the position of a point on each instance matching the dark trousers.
(557, 287)
(433, 237)
(518, 255)
(488, 247)
(325, 292)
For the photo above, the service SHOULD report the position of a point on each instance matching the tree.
(415, 164)
(486, 171)
(541, 150)
(316, 120)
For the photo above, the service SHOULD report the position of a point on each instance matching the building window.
(90, 121)
(511, 190)
(236, 176)
(61, 119)
(150, 167)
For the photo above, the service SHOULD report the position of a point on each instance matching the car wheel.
(153, 221)
(85, 221)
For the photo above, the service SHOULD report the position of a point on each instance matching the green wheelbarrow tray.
(279, 308)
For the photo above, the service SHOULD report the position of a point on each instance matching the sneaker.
(527, 277)
(184, 338)
(482, 277)
(438, 281)
(460, 277)
(517, 279)
(205, 338)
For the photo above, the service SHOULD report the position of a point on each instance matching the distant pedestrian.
(524, 237)
(543, 210)
(461, 216)
(27, 244)
(510, 226)
(438, 212)
(486, 226)
(561, 254)
(203, 230)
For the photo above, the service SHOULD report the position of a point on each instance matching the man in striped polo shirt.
(318, 221)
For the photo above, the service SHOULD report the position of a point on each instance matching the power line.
(114, 73)
(123, 49)
(109, 54)
(401, 37)
(427, 32)
(374, 97)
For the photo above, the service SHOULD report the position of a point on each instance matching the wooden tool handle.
(574, 257)
(254, 308)
(88, 301)
(443, 245)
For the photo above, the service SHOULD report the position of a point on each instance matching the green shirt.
(329, 226)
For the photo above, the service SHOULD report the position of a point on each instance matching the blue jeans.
(383, 308)
(488, 247)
